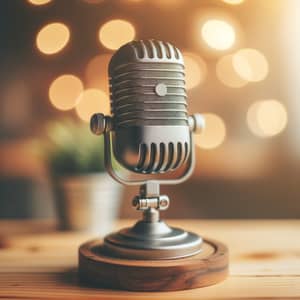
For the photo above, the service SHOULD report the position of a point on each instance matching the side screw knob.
(100, 123)
(196, 123)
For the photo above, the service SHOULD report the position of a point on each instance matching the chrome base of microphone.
(148, 240)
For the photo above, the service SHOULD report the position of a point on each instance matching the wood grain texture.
(208, 267)
(264, 262)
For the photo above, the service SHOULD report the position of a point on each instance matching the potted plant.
(86, 197)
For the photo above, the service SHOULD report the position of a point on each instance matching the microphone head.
(148, 106)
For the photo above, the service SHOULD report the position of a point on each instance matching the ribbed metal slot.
(148, 67)
(149, 48)
(151, 83)
(157, 118)
(172, 114)
(142, 156)
(150, 79)
(161, 157)
(144, 104)
(153, 114)
(158, 121)
(154, 48)
(135, 102)
(170, 156)
(172, 50)
(152, 122)
(124, 100)
(179, 156)
(138, 49)
(149, 89)
(119, 97)
(139, 82)
(166, 157)
(186, 151)
(158, 48)
(141, 88)
(132, 96)
(149, 96)
(133, 75)
(143, 121)
(161, 46)
(150, 114)
(143, 110)
(168, 50)
(177, 53)
(146, 49)
(153, 157)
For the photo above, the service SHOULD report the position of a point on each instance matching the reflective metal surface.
(149, 108)
(152, 240)
(149, 132)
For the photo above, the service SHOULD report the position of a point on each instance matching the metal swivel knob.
(196, 123)
(100, 124)
(161, 202)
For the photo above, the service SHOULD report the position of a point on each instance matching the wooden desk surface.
(265, 262)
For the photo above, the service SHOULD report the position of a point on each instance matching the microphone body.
(151, 132)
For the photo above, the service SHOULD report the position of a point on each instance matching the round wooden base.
(206, 268)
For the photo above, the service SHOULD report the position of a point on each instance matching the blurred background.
(242, 61)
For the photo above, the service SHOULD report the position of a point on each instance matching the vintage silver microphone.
(149, 133)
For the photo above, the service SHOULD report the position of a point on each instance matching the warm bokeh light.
(92, 101)
(214, 133)
(96, 72)
(227, 74)
(233, 2)
(115, 33)
(52, 38)
(267, 118)
(250, 64)
(195, 69)
(218, 34)
(64, 91)
(39, 2)
(271, 117)
(252, 119)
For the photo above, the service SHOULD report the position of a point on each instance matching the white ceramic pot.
(88, 203)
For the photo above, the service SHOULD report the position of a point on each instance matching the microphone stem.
(151, 215)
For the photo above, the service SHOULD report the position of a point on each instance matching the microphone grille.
(162, 157)
(147, 85)
(152, 49)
